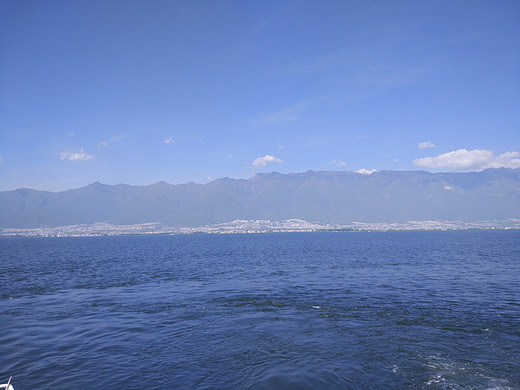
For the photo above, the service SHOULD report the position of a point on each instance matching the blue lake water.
(380, 310)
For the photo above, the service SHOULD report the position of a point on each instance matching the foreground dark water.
(402, 310)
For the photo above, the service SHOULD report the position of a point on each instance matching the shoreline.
(254, 227)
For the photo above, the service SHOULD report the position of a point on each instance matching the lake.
(325, 310)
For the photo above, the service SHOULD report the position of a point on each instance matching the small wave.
(455, 375)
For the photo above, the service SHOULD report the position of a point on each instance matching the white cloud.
(426, 145)
(169, 140)
(76, 156)
(339, 163)
(364, 171)
(261, 162)
(103, 144)
(469, 160)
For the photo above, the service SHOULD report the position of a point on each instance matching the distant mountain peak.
(96, 184)
(315, 196)
(161, 184)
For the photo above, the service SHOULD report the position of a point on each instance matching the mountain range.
(322, 197)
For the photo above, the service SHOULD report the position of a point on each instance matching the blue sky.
(141, 91)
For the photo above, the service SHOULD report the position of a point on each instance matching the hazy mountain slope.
(341, 197)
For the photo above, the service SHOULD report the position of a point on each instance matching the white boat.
(8, 385)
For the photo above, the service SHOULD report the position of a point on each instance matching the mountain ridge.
(317, 196)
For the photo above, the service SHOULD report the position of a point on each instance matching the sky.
(136, 92)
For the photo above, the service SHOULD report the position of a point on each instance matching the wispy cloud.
(388, 76)
(76, 156)
(339, 163)
(470, 160)
(169, 140)
(315, 141)
(286, 114)
(426, 145)
(261, 162)
(369, 66)
(364, 171)
(107, 143)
